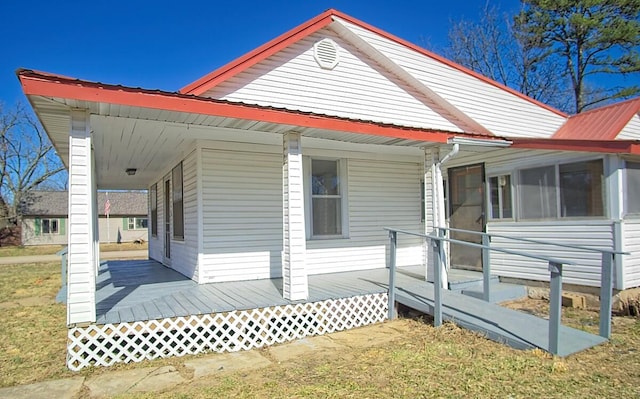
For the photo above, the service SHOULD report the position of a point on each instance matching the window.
(422, 201)
(326, 198)
(566, 190)
(581, 192)
(538, 198)
(137, 223)
(500, 197)
(632, 199)
(153, 198)
(50, 226)
(178, 204)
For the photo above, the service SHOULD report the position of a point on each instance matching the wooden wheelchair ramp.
(514, 328)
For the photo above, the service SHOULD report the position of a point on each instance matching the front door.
(167, 219)
(466, 212)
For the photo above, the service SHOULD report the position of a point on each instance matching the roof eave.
(597, 146)
(51, 86)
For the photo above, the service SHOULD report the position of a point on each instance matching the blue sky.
(168, 44)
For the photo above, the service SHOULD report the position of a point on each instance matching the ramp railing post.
(555, 306)
(392, 274)
(437, 282)
(61, 297)
(486, 267)
(606, 291)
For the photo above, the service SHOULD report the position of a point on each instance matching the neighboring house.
(289, 161)
(44, 217)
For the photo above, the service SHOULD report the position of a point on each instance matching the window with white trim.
(500, 197)
(153, 198)
(327, 198)
(137, 223)
(559, 191)
(50, 226)
(178, 204)
(632, 197)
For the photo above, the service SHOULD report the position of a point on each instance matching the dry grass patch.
(424, 362)
(53, 249)
(421, 361)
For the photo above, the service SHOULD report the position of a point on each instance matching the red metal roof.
(603, 123)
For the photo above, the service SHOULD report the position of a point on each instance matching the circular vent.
(326, 53)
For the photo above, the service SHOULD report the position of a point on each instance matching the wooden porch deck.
(129, 291)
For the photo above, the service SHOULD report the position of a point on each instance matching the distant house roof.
(55, 203)
(604, 123)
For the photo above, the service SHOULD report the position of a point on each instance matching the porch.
(147, 311)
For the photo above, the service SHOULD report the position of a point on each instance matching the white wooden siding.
(500, 111)
(632, 130)
(380, 194)
(242, 212)
(357, 88)
(184, 253)
(586, 271)
(631, 243)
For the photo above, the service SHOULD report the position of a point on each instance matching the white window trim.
(344, 201)
(556, 166)
(134, 219)
(57, 232)
(488, 197)
(625, 190)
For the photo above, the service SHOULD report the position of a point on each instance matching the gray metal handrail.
(534, 241)
(555, 269)
(61, 297)
(606, 270)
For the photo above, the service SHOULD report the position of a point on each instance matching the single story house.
(288, 162)
(45, 217)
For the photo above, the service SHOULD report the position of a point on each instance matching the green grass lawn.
(421, 362)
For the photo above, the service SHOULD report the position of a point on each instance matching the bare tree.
(491, 46)
(28, 160)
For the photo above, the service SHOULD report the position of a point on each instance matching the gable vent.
(326, 53)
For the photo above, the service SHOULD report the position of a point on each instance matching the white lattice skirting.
(104, 345)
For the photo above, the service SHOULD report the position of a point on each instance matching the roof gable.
(604, 123)
(382, 79)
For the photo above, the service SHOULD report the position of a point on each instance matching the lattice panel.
(104, 345)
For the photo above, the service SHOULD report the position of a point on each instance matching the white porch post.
(82, 256)
(434, 207)
(294, 243)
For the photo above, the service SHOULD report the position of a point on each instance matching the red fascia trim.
(48, 86)
(210, 80)
(603, 146)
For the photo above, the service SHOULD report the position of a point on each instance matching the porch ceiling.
(147, 139)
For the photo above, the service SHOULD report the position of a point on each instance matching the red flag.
(107, 207)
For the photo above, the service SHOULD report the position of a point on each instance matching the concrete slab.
(116, 382)
(67, 388)
(226, 362)
(158, 380)
(301, 347)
